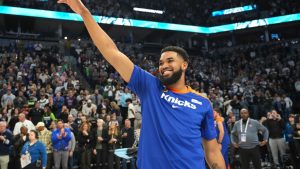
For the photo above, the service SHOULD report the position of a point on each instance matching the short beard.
(171, 80)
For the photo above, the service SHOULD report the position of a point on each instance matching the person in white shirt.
(131, 111)
(89, 108)
(23, 122)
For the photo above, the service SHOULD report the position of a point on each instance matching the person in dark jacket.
(6, 139)
(19, 141)
(127, 135)
(101, 136)
(275, 125)
(86, 142)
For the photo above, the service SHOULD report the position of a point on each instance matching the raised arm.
(102, 41)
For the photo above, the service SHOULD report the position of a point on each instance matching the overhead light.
(66, 38)
(148, 10)
(79, 39)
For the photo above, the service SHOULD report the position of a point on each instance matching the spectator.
(131, 111)
(244, 137)
(36, 114)
(60, 140)
(23, 122)
(127, 135)
(6, 139)
(275, 125)
(7, 97)
(19, 141)
(44, 136)
(36, 150)
(86, 142)
(101, 135)
(89, 108)
(72, 145)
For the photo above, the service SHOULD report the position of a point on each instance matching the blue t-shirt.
(173, 125)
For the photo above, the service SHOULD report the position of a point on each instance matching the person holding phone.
(276, 125)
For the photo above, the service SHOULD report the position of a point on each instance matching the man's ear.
(184, 66)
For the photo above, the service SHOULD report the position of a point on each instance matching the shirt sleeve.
(142, 82)
(207, 126)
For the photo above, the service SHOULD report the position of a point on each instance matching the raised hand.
(76, 5)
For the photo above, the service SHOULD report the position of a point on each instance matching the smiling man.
(177, 121)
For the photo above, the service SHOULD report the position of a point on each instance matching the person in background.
(48, 116)
(222, 136)
(45, 137)
(72, 145)
(37, 151)
(289, 131)
(275, 125)
(131, 111)
(36, 114)
(113, 143)
(127, 135)
(245, 138)
(60, 140)
(86, 142)
(23, 122)
(6, 139)
(101, 135)
(19, 141)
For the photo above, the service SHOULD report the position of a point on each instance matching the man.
(6, 139)
(127, 141)
(244, 137)
(7, 97)
(60, 140)
(72, 125)
(45, 137)
(89, 108)
(23, 122)
(72, 145)
(131, 111)
(36, 114)
(174, 117)
(43, 100)
(124, 107)
(97, 98)
(276, 126)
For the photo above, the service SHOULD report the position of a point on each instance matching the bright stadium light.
(148, 10)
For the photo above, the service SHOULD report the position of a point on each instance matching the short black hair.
(179, 50)
(128, 100)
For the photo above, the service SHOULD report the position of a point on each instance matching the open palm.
(76, 5)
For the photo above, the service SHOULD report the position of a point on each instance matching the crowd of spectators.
(38, 84)
(181, 11)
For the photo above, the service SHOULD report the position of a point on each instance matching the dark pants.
(101, 158)
(248, 155)
(33, 166)
(124, 114)
(49, 160)
(86, 157)
(113, 159)
(70, 162)
(132, 122)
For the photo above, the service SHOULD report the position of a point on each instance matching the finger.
(61, 1)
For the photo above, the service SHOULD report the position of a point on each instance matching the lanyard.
(241, 122)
